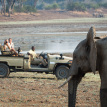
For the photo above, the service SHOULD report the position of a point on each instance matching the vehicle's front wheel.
(62, 72)
(4, 70)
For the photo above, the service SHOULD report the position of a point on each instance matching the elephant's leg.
(103, 97)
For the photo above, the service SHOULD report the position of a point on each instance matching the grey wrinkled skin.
(90, 56)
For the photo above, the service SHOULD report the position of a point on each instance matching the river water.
(47, 39)
(59, 42)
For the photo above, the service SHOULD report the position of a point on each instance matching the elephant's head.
(84, 60)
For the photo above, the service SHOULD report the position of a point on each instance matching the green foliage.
(97, 1)
(53, 6)
(29, 2)
(53, 1)
(76, 6)
(41, 6)
(79, 5)
(93, 6)
(62, 5)
(25, 9)
(82, 6)
(104, 5)
(48, 7)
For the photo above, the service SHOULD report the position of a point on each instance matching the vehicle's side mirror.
(61, 56)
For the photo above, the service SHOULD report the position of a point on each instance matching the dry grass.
(41, 90)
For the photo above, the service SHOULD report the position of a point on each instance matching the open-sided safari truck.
(56, 64)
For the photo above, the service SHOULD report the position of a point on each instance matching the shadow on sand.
(22, 77)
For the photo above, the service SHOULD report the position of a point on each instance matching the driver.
(34, 58)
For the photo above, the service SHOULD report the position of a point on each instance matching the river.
(51, 39)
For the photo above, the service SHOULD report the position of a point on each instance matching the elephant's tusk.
(65, 82)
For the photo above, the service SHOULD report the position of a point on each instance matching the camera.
(5, 42)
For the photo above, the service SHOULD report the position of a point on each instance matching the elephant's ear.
(92, 50)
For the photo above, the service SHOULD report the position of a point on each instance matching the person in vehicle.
(6, 45)
(35, 59)
(9, 46)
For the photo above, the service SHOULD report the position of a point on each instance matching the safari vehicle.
(56, 64)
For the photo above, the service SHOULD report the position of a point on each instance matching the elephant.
(90, 55)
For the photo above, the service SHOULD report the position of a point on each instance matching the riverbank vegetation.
(29, 6)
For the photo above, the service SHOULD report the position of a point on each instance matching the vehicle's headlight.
(70, 61)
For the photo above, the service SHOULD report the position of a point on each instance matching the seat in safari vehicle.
(5, 52)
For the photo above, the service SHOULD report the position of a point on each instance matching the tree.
(3, 3)
(69, 1)
(20, 3)
(10, 4)
(35, 3)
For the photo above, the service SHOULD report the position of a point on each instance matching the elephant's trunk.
(72, 89)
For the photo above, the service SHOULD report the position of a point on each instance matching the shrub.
(94, 6)
(76, 6)
(25, 9)
(48, 7)
(104, 5)
(62, 5)
(41, 6)
(53, 6)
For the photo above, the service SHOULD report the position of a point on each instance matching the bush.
(76, 6)
(41, 6)
(25, 9)
(48, 7)
(93, 6)
(53, 6)
(62, 5)
(104, 5)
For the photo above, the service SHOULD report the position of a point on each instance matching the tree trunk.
(10, 6)
(35, 3)
(3, 2)
(21, 3)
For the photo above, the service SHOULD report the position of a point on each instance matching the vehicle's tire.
(4, 70)
(62, 72)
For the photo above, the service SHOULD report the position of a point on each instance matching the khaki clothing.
(34, 55)
(6, 48)
(35, 60)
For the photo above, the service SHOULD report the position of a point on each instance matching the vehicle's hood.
(69, 58)
(58, 57)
